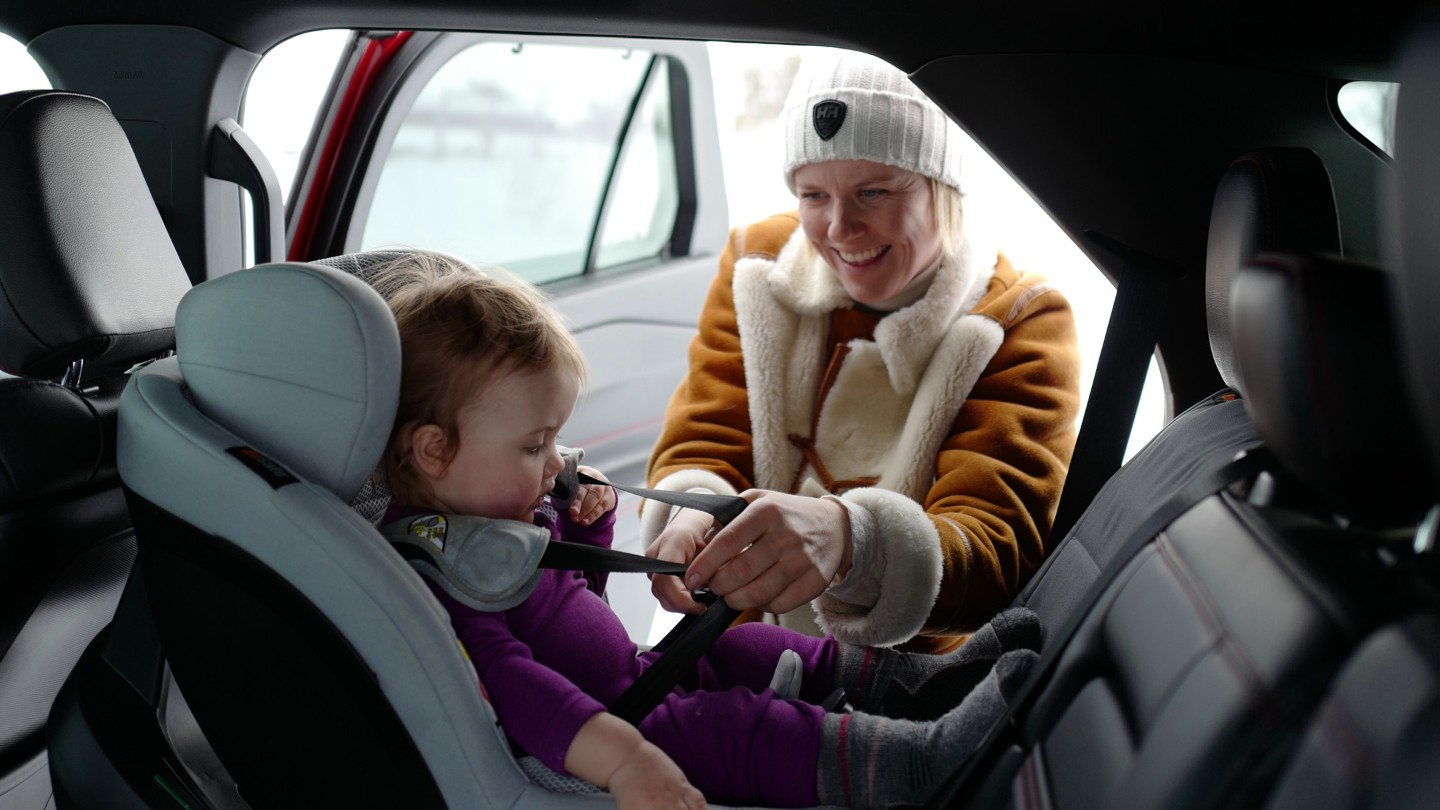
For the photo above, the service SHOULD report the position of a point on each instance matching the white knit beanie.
(852, 106)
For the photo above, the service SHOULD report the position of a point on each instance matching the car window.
(18, 69)
(518, 143)
(512, 147)
(284, 94)
(640, 215)
(1369, 107)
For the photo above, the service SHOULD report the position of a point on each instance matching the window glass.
(18, 69)
(1370, 108)
(284, 95)
(641, 212)
(505, 155)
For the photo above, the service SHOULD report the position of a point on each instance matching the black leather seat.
(89, 282)
(1275, 199)
(1193, 679)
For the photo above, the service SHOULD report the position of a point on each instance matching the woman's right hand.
(680, 542)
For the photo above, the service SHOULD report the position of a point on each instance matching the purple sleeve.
(600, 533)
(540, 709)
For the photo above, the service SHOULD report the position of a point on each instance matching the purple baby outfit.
(560, 657)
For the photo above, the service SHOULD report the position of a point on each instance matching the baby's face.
(507, 461)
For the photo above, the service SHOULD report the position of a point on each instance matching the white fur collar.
(801, 281)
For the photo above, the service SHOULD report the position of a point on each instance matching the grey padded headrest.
(1276, 199)
(87, 268)
(302, 362)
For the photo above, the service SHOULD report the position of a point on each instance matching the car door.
(590, 167)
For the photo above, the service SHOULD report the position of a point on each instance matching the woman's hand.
(680, 542)
(780, 553)
(591, 501)
(650, 779)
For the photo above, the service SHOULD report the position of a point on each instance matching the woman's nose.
(844, 224)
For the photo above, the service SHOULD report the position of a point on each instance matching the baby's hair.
(460, 328)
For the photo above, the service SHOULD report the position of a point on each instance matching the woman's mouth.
(864, 258)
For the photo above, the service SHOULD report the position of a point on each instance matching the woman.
(897, 403)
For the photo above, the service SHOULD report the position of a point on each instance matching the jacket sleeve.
(998, 478)
(705, 442)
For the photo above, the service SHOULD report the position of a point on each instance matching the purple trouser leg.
(745, 655)
(731, 736)
(741, 747)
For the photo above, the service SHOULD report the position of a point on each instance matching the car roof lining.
(1350, 46)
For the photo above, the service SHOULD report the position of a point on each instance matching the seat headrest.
(1275, 199)
(302, 362)
(1323, 381)
(87, 268)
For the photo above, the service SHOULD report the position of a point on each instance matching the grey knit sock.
(914, 686)
(868, 761)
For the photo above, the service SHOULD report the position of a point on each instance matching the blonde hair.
(459, 330)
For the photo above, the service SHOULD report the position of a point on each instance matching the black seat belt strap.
(693, 635)
(1142, 289)
(1246, 466)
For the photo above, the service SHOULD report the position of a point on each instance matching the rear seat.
(89, 282)
(1192, 677)
(1275, 199)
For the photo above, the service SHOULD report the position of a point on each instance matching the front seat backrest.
(89, 282)
(1266, 200)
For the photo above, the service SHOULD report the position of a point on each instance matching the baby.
(490, 376)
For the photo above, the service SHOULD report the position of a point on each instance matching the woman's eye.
(872, 193)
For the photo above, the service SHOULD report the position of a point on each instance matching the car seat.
(1192, 679)
(315, 659)
(90, 282)
(1275, 199)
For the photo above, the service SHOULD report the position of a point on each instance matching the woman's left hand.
(780, 553)
(591, 501)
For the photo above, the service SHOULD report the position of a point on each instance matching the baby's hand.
(649, 779)
(591, 501)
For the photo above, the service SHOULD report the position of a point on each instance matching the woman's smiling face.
(874, 224)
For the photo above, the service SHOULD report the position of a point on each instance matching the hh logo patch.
(828, 116)
(263, 466)
(431, 529)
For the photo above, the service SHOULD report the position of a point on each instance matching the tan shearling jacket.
(946, 426)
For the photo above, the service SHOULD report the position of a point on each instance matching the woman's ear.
(430, 451)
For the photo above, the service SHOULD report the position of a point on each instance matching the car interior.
(1244, 613)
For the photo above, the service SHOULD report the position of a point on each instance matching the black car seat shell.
(89, 283)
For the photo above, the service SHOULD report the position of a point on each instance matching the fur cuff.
(907, 541)
(655, 516)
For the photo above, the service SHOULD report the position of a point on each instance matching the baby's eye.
(531, 451)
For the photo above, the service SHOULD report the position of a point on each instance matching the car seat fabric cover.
(281, 358)
(1268, 199)
(72, 197)
(1323, 377)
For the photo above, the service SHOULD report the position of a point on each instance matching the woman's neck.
(914, 291)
